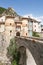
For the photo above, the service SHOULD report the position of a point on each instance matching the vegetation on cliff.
(12, 53)
(10, 11)
(2, 10)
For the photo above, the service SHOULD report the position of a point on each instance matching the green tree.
(13, 53)
(35, 34)
(2, 10)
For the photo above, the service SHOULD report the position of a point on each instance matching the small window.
(41, 29)
(35, 29)
(35, 25)
(2, 20)
(10, 32)
(26, 33)
(26, 24)
(31, 21)
(10, 23)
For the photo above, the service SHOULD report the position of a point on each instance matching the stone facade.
(15, 26)
(37, 26)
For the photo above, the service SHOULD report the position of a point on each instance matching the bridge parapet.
(34, 39)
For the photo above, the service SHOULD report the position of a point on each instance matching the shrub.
(35, 34)
(12, 53)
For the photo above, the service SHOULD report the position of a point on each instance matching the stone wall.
(3, 48)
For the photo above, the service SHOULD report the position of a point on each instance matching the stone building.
(13, 26)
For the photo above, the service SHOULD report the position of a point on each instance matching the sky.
(33, 8)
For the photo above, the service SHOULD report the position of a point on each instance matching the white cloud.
(40, 18)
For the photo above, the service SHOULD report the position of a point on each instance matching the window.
(2, 20)
(10, 23)
(35, 29)
(41, 29)
(26, 24)
(35, 25)
(26, 33)
(10, 32)
(31, 21)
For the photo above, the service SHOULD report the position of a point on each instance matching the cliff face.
(9, 11)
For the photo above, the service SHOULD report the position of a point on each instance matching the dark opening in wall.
(10, 23)
(18, 34)
(26, 33)
(41, 29)
(10, 32)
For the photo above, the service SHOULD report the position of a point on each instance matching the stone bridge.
(31, 51)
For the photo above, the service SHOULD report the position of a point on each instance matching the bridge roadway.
(34, 49)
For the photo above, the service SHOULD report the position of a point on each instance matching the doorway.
(18, 34)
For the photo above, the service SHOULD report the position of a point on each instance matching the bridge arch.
(31, 50)
(22, 51)
(26, 57)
